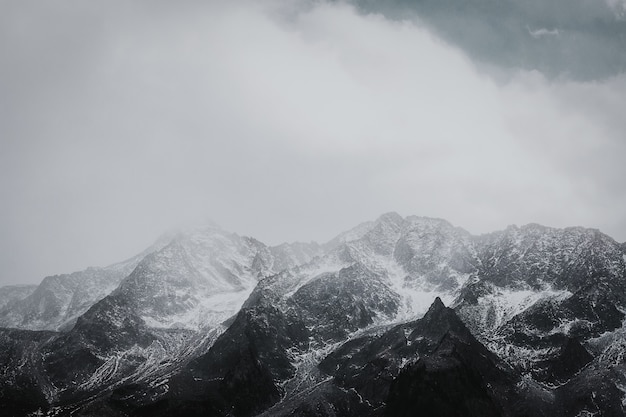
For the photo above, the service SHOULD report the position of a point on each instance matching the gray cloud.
(577, 39)
(281, 121)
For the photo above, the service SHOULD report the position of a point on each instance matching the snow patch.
(208, 312)
(502, 304)
(310, 273)
(416, 296)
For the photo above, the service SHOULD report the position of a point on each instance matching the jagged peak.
(297, 243)
(390, 217)
(540, 228)
(438, 321)
(534, 226)
(539, 231)
(428, 220)
(437, 307)
(441, 316)
(436, 312)
(393, 221)
(524, 229)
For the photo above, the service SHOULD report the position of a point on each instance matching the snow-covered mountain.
(415, 258)
(541, 290)
(201, 278)
(213, 323)
(168, 308)
(59, 300)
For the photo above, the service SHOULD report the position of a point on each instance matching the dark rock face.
(24, 384)
(369, 364)
(536, 329)
(244, 370)
(443, 385)
(249, 358)
(432, 366)
(570, 284)
(535, 255)
(337, 304)
(569, 358)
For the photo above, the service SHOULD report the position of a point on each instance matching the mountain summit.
(208, 322)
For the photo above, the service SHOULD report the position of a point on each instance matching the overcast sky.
(282, 120)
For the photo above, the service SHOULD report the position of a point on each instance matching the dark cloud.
(578, 39)
(281, 120)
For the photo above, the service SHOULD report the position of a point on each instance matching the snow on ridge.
(513, 302)
(310, 273)
(208, 312)
(354, 234)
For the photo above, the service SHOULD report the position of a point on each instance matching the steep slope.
(24, 387)
(57, 302)
(379, 374)
(418, 258)
(245, 368)
(202, 277)
(289, 255)
(218, 324)
(169, 309)
(541, 294)
(60, 299)
(375, 275)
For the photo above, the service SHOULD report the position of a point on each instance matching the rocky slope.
(218, 324)
(59, 300)
(167, 309)
(542, 293)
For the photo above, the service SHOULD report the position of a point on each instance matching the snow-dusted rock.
(219, 324)
(59, 300)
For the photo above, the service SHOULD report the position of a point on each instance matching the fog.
(283, 121)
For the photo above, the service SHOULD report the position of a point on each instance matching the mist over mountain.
(291, 120)
(301, 121)
(397, 315)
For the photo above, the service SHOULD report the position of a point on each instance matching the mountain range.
(398, 316)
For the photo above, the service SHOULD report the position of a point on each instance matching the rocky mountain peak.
(354, 327)
(391, 218)
(436, 308)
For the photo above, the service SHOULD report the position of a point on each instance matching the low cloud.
(281, 121)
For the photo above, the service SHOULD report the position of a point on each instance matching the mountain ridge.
(198, 324)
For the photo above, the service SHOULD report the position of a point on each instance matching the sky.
(297, 120)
